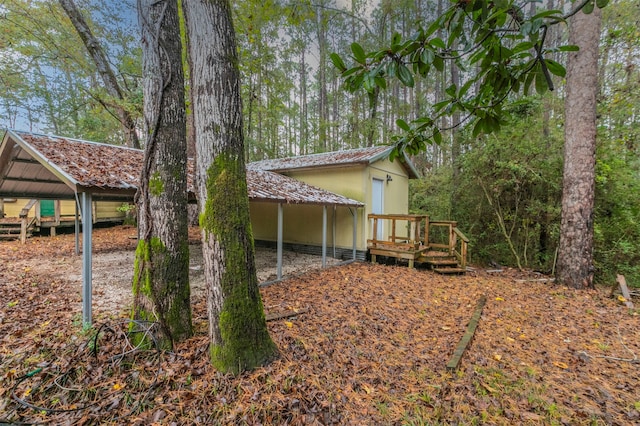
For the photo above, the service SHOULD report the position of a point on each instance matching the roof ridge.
(318, 154)
(37, 134)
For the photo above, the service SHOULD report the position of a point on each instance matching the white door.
(377, 204)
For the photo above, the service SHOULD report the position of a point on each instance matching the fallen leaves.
(370, 348)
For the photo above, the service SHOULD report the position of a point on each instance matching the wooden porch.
(436, 243)
(32, 219)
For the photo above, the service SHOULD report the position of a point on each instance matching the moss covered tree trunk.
(237, 326)
(161, 276)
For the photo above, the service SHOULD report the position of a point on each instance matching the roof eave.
(405, 160)
(58, 172)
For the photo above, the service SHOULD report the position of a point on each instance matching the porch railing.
(418, 233)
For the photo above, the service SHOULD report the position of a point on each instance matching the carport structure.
(37, 166)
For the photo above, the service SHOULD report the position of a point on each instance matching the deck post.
(324, 236)
(23, 230)
(355, 231)
(87, 225)
(279, 243)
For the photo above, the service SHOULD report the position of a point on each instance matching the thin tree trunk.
(304, 117)
(323, 101)
(575, 253)
(111, 85)
(161, 276)
(237, 326)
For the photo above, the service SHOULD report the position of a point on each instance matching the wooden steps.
(450, 271)
(10, 229)
(443, 264)
(410, 237)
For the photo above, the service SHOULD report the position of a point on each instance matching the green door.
(47, 208)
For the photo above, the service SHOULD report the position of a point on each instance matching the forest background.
(503, 188)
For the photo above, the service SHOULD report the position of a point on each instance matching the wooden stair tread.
(441, 262)
(447, 271)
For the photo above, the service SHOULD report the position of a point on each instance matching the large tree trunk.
(237, 326)
(575, 255)
(161, 276)
(111, 85)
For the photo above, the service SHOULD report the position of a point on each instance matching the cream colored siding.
(303, 224)
(346, 181)
(12, 209)
(264, 220)
(68, 208)
(104, 210)
(107, 210)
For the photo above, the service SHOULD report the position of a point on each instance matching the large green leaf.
(403, 125)
(338, 62)
(437, 43)
(522, 47)
(568, 48)
(405, 76)
(547, 13)
(451, 90)
(427, 56)
(541, 83)
(358, 53)
(588, 8)
(555, 68)
(438, 63)
(437, 136)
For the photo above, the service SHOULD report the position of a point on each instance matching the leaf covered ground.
(371, 348)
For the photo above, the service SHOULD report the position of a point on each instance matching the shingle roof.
(51, 166)
(268, 186)
(333, 159)
(90, 164)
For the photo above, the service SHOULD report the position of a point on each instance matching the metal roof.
(364, 156)
(42, 166)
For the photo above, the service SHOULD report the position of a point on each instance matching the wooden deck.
(415, 238)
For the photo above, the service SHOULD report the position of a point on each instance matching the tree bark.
(161, 276)
(111, 85)
(575, 252)
(323, 97)
(237, 326)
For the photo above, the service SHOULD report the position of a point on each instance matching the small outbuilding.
(36, 167)
(363, 174)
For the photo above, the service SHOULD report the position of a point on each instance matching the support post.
(87, 225)
(324, 236)
(77, 226)
(23, 230)
(355, 231)
(333, 236)
(279, 242)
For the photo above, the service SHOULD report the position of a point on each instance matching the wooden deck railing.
(412, 227)
(421, 235)
(25, 223)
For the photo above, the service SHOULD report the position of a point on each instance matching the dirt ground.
(112, 265)
(370, 348)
